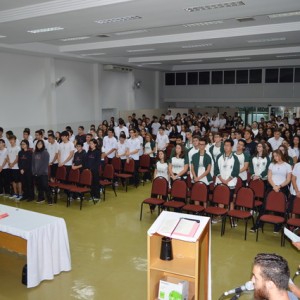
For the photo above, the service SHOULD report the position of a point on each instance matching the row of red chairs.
(245, 203)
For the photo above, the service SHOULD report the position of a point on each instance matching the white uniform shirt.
(53, 149)
(275, 143)
(3, 156)
(148, 149)
(12, 153)
(155, 127)
(177, 164)
(259, 165)
(162, 170)
(225, 165)
(161, 141)
(64, 150)
(241, 158)
(134, 144)
(296, 173)
(118, 131)
(280, 172)
(110, 143)
(121, 149)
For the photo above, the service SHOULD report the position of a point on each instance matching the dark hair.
(2, 140)
(81, 127)
(182, 154)
(111, 129)
(89, 134)
(36, 147)
(25, 142)
(50, 131)
(95, 142)
(39, 132)
(179, 136)
(51, 135)
(202, 139)
(196, 137)
(264, 152)
(68, 128)
(164, 153)
(64, 133)
(12, 137)
(26, 130)
(122, 135)
(273, 268)
(243, 141)
(79, 144)
(278, 152)
(1, 129)
(229, 141)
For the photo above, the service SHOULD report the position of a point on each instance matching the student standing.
(162, 140)
(66, 152)
(110, 145)
(4, 173)
(40, 162)
(179, 164)
(244, 159)
(25, 167)
(14, 172)
(53, 148)
(92, 162)
(79, 157)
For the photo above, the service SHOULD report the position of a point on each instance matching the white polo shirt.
(161, 141)
(110, 143)
(12, 153)
(3, 156)
(275, 143)
(280, 172)
(134, 144)
(53, 149)
(64, 150)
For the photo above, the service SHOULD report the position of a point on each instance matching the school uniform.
(259, 167)
(243, 158)
(134, 144)
(92, 162)
(200, 164)
(25, 164)
(4, 174)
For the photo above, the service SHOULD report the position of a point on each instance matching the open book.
(183, 227)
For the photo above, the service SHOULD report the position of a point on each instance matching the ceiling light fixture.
(203, 23)
(75, 38)
(118, 19)
(267, 40)
(139, 50)
(285, 15)
(2, 36)
(151, 63)
(192, 61)
(215, 6)
(287, 55)
(45, 29)
(237, 58)
(93, 54)
(131, 32)
(196, 46)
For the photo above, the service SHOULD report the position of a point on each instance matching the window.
(180, 78)
(242, 76)
(255, 76)
(229, 77)
(170, 79)
(286, 75)
(204, 78)
(297, 75)
(217, 77)
(192, 78)
(271, 75)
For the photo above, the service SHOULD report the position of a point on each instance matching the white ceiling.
(158, 29)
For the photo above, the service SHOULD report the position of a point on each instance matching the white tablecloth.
(48, 251)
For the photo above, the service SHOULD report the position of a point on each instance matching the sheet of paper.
(292, 236)
(186, 228)
(168, 227)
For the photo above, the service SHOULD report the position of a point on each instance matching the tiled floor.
(108, 249)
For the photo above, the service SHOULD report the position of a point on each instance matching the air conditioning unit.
(116, 68)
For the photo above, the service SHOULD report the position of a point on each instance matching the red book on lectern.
(3, 215)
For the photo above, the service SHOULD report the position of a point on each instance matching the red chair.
(84, 186)
(275, 203)
(60, 176)
(221, 196)
(159, 190)
(169, 150)
(108, 177)
(144, 165)
(244, 203)
(178, 195)
(128, 172)
(199, 194)
(117, 164)
(258, 186)
(295, 221)
(239, 184)
(73, 180)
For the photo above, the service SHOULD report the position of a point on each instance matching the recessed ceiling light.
(131, 32)
(103, 35)
(192, 61)
(151, 63)
(75, 38)
(267, 40)
(284, 15)
(203, 23)
(45, 29)
(237, 58)
(93, 54)
(287, 55)
(196, 46)
(2, 36)
(215, 6)
(118, 19)
(247, 19)
(139, 50)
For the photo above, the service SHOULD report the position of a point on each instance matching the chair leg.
(246, 226)
(103, 189)
(223, 225)
(141, 213)
(81, 200)
(225, 219)
(126, 184)
(114, 189)
(282, 237)
(257, 233)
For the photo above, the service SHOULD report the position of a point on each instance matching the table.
(48, 251)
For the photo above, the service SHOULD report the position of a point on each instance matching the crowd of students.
(216, 148)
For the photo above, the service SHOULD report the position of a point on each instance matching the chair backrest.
(212, 185)
(169, 150)
(108, 172)
(73, 176)
(179, 189)
(189, 182)
(129, 166)
(159, 187)
(245, 197)
(221, 194)
(296, 206)
(199, 192)
(276, 202)
(239, 184)
(145, 161)
(100, 171)
(61, 173)
(258, 187)
(86, 177)
(116, 162)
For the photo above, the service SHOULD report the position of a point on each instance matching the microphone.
(248, 286)
(297, 273)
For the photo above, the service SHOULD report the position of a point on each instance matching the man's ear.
(270, 285)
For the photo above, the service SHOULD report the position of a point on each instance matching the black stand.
(235, 297)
